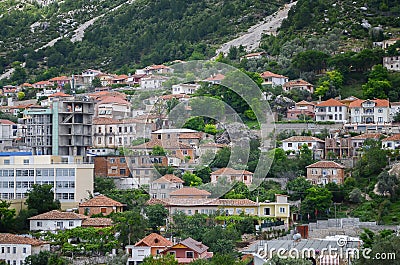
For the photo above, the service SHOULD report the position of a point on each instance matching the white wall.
(51, 225)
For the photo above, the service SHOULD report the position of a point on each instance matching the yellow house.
(237, 206)
(279, 209)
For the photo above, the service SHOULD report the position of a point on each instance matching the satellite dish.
(296, 237)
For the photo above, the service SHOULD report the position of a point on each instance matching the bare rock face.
(236, 132)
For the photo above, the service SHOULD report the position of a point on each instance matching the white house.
(273, 79)
(392, 63)
(187, 89)
(294, 144)
(298, 84)
(56, 220)
(152, 82)
(376, 111)
(331, 110)
(15, 248)
(89, 75)
(392, 142)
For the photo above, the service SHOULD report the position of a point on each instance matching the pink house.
(188, 250)
(232, 175)
(302, 107)
(298, 84)
(60, 81)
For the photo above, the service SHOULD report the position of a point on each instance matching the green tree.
(376, 89)
(131, 226)
(6, 216)
(204, 173)
(355, 196)
(158, 151)
(44, 258)
(287, 261)
(316, 202)
(330, 85)
(388, 184)
(162, 260)
(96, 82)
(297, 188)
(191, 179)
(372, 161)
(41, 198)
(196, 123)
(310, 60)
(210, 128)
(103, 185)
(221, 158)
(156, 215)
(21, 95)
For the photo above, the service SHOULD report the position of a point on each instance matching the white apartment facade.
(187, 89)
(331, 110)
(14, 249)
(376, 111)
(71, 178)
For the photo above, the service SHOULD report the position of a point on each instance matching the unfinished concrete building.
(65, 128)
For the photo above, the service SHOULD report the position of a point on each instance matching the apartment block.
(71, 178)
(65, 128)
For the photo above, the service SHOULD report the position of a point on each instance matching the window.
(59, 225)
(71, 223)
(122, 171)
(39, 224)
(24, 250)
(112, 160)
(189, 254)
(122, 160)
(173, 253)
(6, 161)
(281, 209)
(380, 110)
(140, 252)
(289, 144)
(14, 250)
(267, 211)
(2, 249)
(8, 249)
(162, 186)
(103, 210)
(26, 161)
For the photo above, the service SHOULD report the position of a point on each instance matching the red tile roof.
(379, 103)
(59, 94)
(190, 191)
(169, 178)
(58, 215)
(325, 164)
(299, 82)
(113, 99)
(6, 238)
(330, 103)
(47, 83)
(202, 202)
(197, 135)
(164, 144)
(100, 200)
(154, 240)
(171, 96)
(367, 136)
(194, 245)
(236, 202)
(303, 139)
(303, 102)
(2, 121)
(217, 77)
(395, 137)
(26, 85)
(270, 74)
(231, 171)
(59, 78)
(97, 222)
(106, 121)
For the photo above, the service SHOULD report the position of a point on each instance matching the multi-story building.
(152, 82)
(65, 128)
(357, 142)
(304, 108)
(339, 147)
(295, 143)
(162, 187)
(15, 248)
(113, 107)
(324, 172)
(111, 134)
(187, 89)
(376, 111)
(8, 134)
(279, 209)
(232, 175)
(71, 178)
(273, 79)
(100, 204)
(299, 84)
(331, 110)
(391, 142)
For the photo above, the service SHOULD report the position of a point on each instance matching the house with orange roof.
(232, 175)
(324, 172)
(295, 143)
(376, 111)
(151, 245)
(163, 186)
(331, 110)
(152, 82)
(60, 81)
(215, 79)
(391, 142)
(88, 76)
(55, 220)
(100, 204)
(188, 250)
(16, 248)
(273, 79)
(43, 85)
(357, 141)
(119, 79)
(154, 69)
(298, 84)
(112, 106)
(303, 107)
